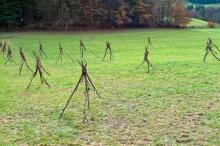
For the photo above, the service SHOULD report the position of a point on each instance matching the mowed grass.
(177, 103)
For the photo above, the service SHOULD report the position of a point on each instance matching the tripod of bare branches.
(3, 48)
(23, 61)
(108, 48)
(146, 55)
(88, 86)
(61, 53)
(149, 43)
(210, 49)
(38, 69)
(9, 56)
(82, 48)
(41, 50)
(1, 45)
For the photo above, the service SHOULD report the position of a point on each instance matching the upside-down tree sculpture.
(23, 61)
(9, 56)
(210, 48)
(82, 48)
(146, 56)
(41, 50)
(61, 53)
(108, 49)
(3, 48)
(39, 69)
(89, 86)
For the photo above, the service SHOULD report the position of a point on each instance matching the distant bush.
(211, 24)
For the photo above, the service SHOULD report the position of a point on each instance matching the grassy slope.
(217, 5)
(178, 102)
(195, 23)
(198, 23)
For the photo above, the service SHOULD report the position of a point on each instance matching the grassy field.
(177, 103)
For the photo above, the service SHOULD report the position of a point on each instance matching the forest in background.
(199, 9)
(67, 14)
(204, 1)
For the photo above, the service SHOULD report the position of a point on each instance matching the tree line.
(205, 13)
(67, 14)
(204, 1)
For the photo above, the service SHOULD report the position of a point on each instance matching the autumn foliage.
(93, 13)
(211, 24)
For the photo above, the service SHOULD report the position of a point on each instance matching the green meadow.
(177, 103)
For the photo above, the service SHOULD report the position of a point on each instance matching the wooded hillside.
(66, 14)
(205, 9)
(204, 1)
